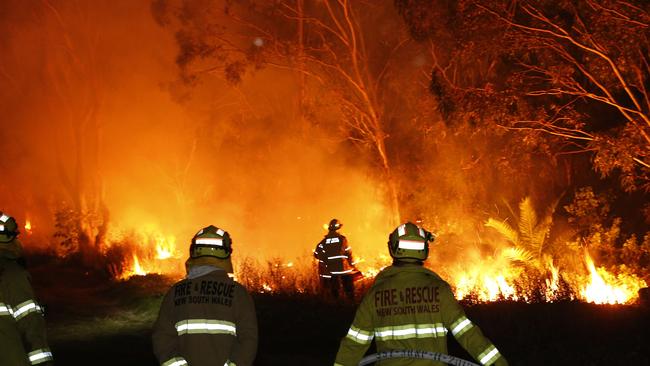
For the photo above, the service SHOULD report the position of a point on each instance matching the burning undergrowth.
(519, 260)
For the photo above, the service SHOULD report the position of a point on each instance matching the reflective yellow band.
(205, 326)
(40, 356)
(359, 335)
(26, 308)
(460, 326)
(176, 361)
(489, 355)
(411, 331)
(5, 310)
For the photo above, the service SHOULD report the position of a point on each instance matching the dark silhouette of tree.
(575, 72)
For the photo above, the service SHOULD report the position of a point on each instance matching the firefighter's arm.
(164, 336)
(355, 344)
(29, 317)
(466, 333)
(317, 251)
(245, 349)
(347, 250)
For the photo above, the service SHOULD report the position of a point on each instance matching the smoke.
(92, 117)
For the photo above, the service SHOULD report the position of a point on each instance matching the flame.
(152, 252)
(28, 226)
(137, 269)
(553, 283)
(485, 287)
(165, 247)
(607, 288)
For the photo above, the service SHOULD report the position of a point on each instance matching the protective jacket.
(22, 327)
(206, 321)
(410, 307)
(334, 256)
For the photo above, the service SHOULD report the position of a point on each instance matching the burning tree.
(74, 76)
(333, 47)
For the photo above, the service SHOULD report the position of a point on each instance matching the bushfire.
(488, 281)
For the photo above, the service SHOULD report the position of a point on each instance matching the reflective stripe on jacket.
(22, 327)
(411, 307)
(207, 320)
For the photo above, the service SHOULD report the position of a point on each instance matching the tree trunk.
(390, 182)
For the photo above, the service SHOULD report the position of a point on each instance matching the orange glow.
(129, 163)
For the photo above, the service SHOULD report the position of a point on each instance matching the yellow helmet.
(8, 228)
(409, 243)
(212, 242)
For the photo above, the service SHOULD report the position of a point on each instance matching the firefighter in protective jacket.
(207, 319)
(411, 308)
(335, 265)
(22, 327)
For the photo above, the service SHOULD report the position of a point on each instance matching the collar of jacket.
(404, 268)
(198, 271)
(224, 264)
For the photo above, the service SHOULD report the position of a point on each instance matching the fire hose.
(414, 354)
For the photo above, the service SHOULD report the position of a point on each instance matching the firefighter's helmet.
(211, 242)
(8, 228)
(409, 243)
(334, 225)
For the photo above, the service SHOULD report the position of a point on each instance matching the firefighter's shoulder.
(12, 271)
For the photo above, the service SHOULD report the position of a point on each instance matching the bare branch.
(642, 162)
(616, 14)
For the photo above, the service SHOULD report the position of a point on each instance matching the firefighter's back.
(407, 305)
(208, 313)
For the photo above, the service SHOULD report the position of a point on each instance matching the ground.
(93, 320)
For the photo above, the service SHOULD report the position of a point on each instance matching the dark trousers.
(333, 286)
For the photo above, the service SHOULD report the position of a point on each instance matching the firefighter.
(22, 326)
(207, 318)
(335, 265)
(411, 308)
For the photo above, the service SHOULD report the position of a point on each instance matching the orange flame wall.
(92, 114)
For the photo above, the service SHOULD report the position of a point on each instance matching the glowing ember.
(607, 288)
(266, 287)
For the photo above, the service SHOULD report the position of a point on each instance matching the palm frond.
(515, 254)
(527, 221)
(538, 242)
(504, 229)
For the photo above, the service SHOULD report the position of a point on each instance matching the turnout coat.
(22, 326)
(411, 308)
(206, 321)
